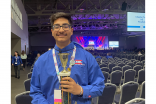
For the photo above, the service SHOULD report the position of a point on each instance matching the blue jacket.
(44, 78)
(109, 57)
(19, 60)
(97, 57)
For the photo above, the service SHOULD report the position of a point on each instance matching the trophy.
(65, 96)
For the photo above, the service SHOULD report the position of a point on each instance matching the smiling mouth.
(61, 35)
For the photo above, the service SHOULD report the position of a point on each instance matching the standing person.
(86, 80)
(24, 58)
(16, 61)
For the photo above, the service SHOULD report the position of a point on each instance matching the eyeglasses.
(64, 27)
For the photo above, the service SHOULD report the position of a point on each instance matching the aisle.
(17, 85)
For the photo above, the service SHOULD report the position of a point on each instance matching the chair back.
(137, 68)
(126, 67)
(117, 68)
(108, 94)
(23, 98)
(27, 84)
(129, 75)
(121, 64)
(106, 75)
(29, 75)
(138, 63)
(130, 64)
(136, 101)
(110, 66)
(128, 91)
(106, 69)
(142, 57)
(115, 77)
(141, 76)
(103, 65)
(142, 94)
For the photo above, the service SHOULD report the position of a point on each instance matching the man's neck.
(61, 45)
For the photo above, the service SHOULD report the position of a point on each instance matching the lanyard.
(55, 61)
(16, 58)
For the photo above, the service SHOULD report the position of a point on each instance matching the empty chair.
(132, 57)
(23, 98)
(128, 57)
(132, 60)
(142, 93)
(137, 68)
(110, 66)
(129, 75)
(108, 94)
(142, 57)
(130, 64)
(121, 64)
(29, 75)
(124, 68)
(103, 65)
(143, 62)
(115, 77)
(141, 76)
(139, 57)
(128, 91)
(106, 69)
(136, 101)
(106, 75)
(27, 84)
(138, 63)
(136, 57)
(31, 69)
(117, 68)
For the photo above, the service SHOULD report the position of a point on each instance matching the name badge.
(57, 97)
(15, 62)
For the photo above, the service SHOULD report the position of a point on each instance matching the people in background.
(24, 58)
(17, 61)
(108, 56)
(139, 53)
(98, 56)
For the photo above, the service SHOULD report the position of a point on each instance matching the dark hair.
(17, 53)
(60, 15)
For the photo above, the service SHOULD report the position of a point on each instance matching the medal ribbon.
(55, 61)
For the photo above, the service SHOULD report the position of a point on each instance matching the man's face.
(62, 35)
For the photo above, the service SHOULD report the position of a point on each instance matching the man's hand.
(71, 86)
(21, 64)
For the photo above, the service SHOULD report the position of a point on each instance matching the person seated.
(98, 56)
(108, 56)
(139, 53)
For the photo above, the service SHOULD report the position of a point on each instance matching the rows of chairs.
(24, 98)
(127, 96)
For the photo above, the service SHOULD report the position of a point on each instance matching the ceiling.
(86, 14)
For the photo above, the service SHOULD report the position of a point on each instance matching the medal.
(72, 62)
(69, 69)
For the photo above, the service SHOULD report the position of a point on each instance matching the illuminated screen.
(113, 43)
(91, 42)
(135, 21)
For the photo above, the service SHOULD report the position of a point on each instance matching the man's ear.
(72, 31)
(52, 31)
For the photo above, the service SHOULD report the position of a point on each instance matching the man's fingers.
(68, 78)
(66, 90)
(65, 82)
(65, 86)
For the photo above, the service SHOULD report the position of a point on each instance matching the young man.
(86, 80)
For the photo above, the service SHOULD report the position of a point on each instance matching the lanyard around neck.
(55, 61)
